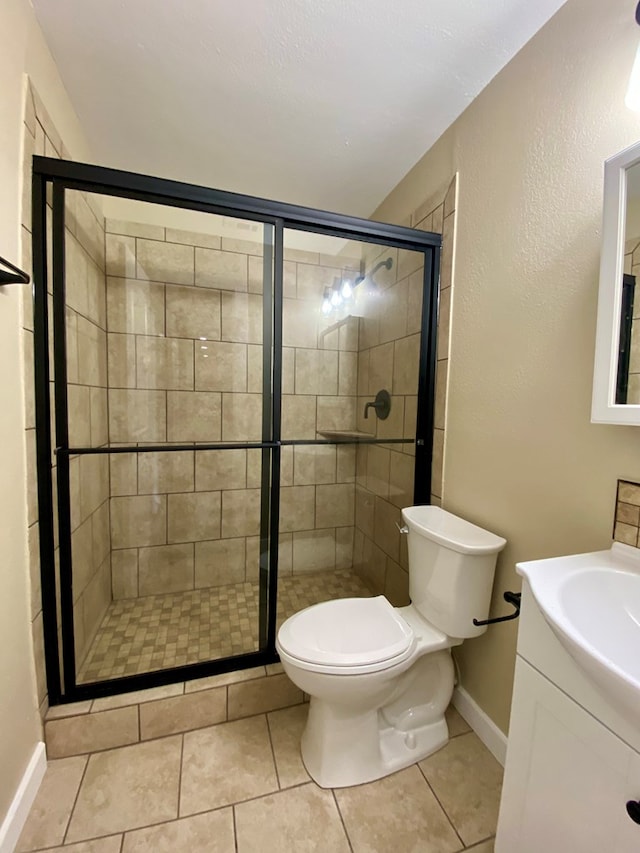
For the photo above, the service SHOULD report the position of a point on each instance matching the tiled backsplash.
(626, 526)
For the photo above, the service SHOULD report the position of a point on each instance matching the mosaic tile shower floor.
(160, 631)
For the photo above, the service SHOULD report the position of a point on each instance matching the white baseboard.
(490, 735)
(16, 817)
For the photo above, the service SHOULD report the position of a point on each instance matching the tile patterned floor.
(241, 786)
(159, 631)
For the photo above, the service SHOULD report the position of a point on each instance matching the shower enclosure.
(234, 398)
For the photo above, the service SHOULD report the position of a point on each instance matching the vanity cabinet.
(568, 776)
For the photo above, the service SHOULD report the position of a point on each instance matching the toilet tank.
(451, 568)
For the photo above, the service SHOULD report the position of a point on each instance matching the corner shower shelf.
(345, 434)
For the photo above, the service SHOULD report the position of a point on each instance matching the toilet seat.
(347, 636)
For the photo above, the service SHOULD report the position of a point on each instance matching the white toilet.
(380, 677)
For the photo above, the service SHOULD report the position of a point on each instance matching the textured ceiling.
(325, 103)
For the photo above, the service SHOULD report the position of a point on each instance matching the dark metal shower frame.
(61, 175)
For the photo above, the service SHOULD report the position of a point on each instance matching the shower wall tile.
(193, 517)
(393, 314)
(414, 302)
(124, 573)
(165, 363)
(160, 473)
(92, 353)
(94, 483)
(241, 417)
(120, 255)
(222, 367)
(240, 513)
(165, 568)
(316, 372)
(138, 521)
(335, 505)
(79, 408)
(194, 416)
(313, 465)
(160, 261)
(297, 508)
(247, 247)
(298, 416)
(336, 413)
(139, 416)
(406, 362)
(137, 229)
(344, 547)
(101, 535)
(215, 470)
(241, 317)
(378, 470)
(381, 365)
(393, 425)
(300, 323)
(314, 551)
(348, 335)
(346, 464)
(193, 238)
(220, 562)
(364, 508)
(135, 307)
(221, 270)
(348, 374)
(99, 417)
(255, 369)
(121, 360)
(193, 313)
(386, 533)
(401, 479)
(123, 470)
(217, 327)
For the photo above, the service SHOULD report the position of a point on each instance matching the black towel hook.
(16, 276)
(510, 598)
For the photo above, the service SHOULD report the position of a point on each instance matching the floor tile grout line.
(273, 752)
(75, 799)
(122, 842)
(437, 799)
(344, 826)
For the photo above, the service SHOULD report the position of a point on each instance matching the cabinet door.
(567, 777)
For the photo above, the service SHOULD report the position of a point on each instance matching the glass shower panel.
(165, 316)
(166, 568)
(352, 322)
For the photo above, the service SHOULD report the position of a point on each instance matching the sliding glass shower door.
(198, 417)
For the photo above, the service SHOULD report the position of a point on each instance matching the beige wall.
(522, 457)
(23, 52)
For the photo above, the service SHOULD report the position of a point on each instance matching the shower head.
(387, 263)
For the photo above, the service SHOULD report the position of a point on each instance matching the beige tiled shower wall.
(632, 267)
(86, 340)
(86, 366)
(185, 322)
(389, 354)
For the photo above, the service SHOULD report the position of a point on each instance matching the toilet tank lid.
(447, 529)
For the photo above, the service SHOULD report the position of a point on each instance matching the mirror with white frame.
(616, 377)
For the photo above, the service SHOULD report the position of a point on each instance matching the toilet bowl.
(380, 677)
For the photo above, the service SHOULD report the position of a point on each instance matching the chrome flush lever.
(404, 529)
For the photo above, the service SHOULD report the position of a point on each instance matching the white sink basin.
(592, 603)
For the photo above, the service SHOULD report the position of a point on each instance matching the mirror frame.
(604, 409)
